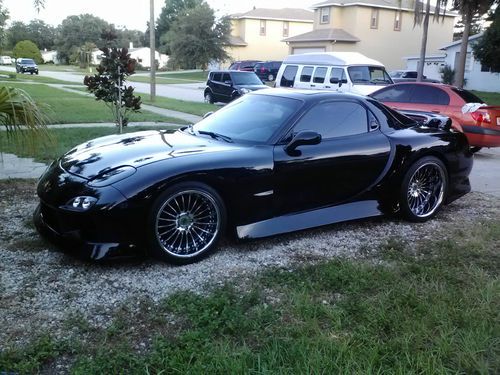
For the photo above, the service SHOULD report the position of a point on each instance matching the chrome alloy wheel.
(187, 223)
(426, 190)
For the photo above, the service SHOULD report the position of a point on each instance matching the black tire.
(31, 73)
(209, 98)
(185, 223)
(424, 189)
(475, 149)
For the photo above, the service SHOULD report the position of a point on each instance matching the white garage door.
(297, 51)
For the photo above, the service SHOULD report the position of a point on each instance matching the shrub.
(447, 74)
(27, 49)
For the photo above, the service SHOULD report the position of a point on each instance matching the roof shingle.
(338, 35)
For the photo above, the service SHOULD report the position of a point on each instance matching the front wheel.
(423, 190)
(185, 223)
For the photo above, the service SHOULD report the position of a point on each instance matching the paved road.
(186, 91)
(485, 175)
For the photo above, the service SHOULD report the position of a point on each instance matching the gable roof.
(284, 14)
(457, 42)
(407, 5)
(339, 35)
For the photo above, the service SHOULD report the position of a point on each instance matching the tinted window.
(226, 77)
(252, 118)
(399, 94)
(334, 119)
(276, 65)
(428, 95)
(337, 74)
(396, 119)
(467, 96)
(306, 74)
(217, 77)
(319, 75)
(288, 78)
(27, 61)
(243, 78)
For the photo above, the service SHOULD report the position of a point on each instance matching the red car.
(481, 125)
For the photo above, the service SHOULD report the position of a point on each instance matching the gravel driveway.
(41, 288)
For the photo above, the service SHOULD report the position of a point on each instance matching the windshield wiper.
(216, 135)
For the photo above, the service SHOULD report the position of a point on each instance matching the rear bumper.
(482, 136)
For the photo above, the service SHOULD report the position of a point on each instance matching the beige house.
(258, 34)
(379, 29)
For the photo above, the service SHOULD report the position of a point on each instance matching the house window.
(285, 28)
(374, 19)
(263, 27)
(324, 15)
(397, 21)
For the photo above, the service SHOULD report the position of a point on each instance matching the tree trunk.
(425, 29)
(462, 57)
(152, 83)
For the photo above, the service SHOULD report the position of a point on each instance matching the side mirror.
(207, 114)
(305, 137)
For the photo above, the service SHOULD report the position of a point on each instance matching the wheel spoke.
(425, 190)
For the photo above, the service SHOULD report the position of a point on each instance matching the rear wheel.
(209, 98)
(186, 222)
(424, 189)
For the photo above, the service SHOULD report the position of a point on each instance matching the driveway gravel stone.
(42, 288)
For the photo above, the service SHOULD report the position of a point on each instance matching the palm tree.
(421, 17)
(468, 8)
(21, 116)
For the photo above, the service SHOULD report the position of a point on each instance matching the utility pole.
(152, 47)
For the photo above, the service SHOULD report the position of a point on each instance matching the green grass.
(63, 68)
(431, 309)
(6, 78)
(492, 98)
(62, 140)
(67, 108)
(194, 108)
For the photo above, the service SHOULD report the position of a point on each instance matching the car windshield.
(369, 75)
(246, 79)
(27, 61)
(467, 96)
(252, 118)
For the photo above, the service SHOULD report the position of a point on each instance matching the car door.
(226, 87)
(319, 80)
(349, 159)
(338, 79)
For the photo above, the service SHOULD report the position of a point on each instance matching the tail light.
(481, 117)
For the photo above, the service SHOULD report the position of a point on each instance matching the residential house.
(258, 34)
(380, 29)
(49, 57)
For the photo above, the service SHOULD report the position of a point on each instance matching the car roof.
(306, 95)
(433, 84)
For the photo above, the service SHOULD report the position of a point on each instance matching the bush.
(447, 74)
(27, 49)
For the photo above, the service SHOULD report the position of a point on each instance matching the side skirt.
(310, 219)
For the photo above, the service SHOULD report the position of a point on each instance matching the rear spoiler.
(429, 119)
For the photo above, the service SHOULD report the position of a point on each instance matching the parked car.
(227, 85)
(335, 71)
(273, 161)
(5, 60)
(480, 123)
(26, 66)
(245, 65)
(267, 70)
(408, 76)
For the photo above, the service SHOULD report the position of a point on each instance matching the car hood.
(104, 155)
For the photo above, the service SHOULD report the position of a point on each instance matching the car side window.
(396, 94)
(319, 75)
(337, 74)
(429, 95)
(226, 77)
(217, 77)
(305, 75)
(288, 77)
(335, 119)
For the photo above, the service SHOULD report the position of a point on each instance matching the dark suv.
(245, 65)
(227, 85)
(267, 70)
(26, 66)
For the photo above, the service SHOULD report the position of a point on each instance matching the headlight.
(82, 203)
(112, 176)
(244, 91)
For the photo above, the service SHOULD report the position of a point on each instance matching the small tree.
(447, 74)
(27, 49)
(487, 49)
(109, 86)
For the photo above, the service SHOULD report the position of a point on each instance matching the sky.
(132, 14)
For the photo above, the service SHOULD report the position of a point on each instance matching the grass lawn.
(66, 107)
(194, 108)
(63, 140)
(63, 68)
(492, 98)
(426, 309)
(6, 80)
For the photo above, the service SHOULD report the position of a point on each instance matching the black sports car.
(271, 162)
